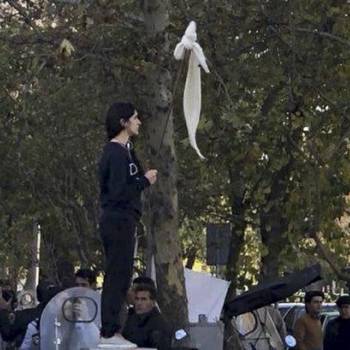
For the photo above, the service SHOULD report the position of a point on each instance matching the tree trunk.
(232, 340)
(274, 224)
(163, 208)
(272, 231)
(32, 278)
(237, 232)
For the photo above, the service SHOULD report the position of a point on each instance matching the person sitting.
(130, 298)
(146, 327)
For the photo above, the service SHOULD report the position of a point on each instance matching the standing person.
(337, 335)
(308, 329)
(121, 183)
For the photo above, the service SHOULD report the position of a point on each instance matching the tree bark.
(273, 225)
(237, 232)
(272, 231)
(163, 200)
(31, 278)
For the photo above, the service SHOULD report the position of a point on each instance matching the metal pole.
(37, 255)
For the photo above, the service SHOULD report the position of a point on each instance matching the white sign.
(206, 295)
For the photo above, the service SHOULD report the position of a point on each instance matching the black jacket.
(13, 325)
(121, 179)
(337, 335)
(148, 330)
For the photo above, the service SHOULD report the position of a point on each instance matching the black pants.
(118, 237)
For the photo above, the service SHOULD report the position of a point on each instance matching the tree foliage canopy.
(275, 124)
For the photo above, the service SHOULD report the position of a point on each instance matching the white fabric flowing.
(192, 99)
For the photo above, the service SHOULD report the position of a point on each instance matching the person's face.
(82, 282)
(143, 302)
(315, 305)
(345, 311)
(132, 125)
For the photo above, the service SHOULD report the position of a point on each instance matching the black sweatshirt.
(337, 336)
(121, 180)
(148, 330)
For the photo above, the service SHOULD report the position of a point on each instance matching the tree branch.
(327, 255)
(21, 11)
(324, 34)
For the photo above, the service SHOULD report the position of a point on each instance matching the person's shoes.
(116, 342)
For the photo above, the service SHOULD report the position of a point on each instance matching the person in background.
(147, 327)
(308, 329)
(45, 291)
(337, 334)
(85, 278)
(141, 280)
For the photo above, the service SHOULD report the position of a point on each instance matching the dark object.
(118, 237)
(144, 280)
(46, 290)
(268, 293)
(218, 243)
(121, 180)
(149, 330)
(337, 334)
(343, 300)
(8, 294)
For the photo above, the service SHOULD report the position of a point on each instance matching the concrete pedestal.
(119, 348)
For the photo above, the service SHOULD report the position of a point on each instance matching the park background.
(274, 129)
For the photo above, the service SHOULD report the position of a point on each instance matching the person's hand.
(151, 176)
(4, 305)
(80, 310)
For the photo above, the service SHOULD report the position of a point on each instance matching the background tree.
(274, 129)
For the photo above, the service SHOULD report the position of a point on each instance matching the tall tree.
(163, 213)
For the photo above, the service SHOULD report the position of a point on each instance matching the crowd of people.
(122, 181)
(132, 318)
(141, 319)
(308, 328)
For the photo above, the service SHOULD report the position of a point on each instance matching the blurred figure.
(8, 300)
(45, 291)
(86, 278)
(6, 310)
(337, 334)
(11, 321)
(308, 329)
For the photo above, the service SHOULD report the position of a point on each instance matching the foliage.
(275, 125)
